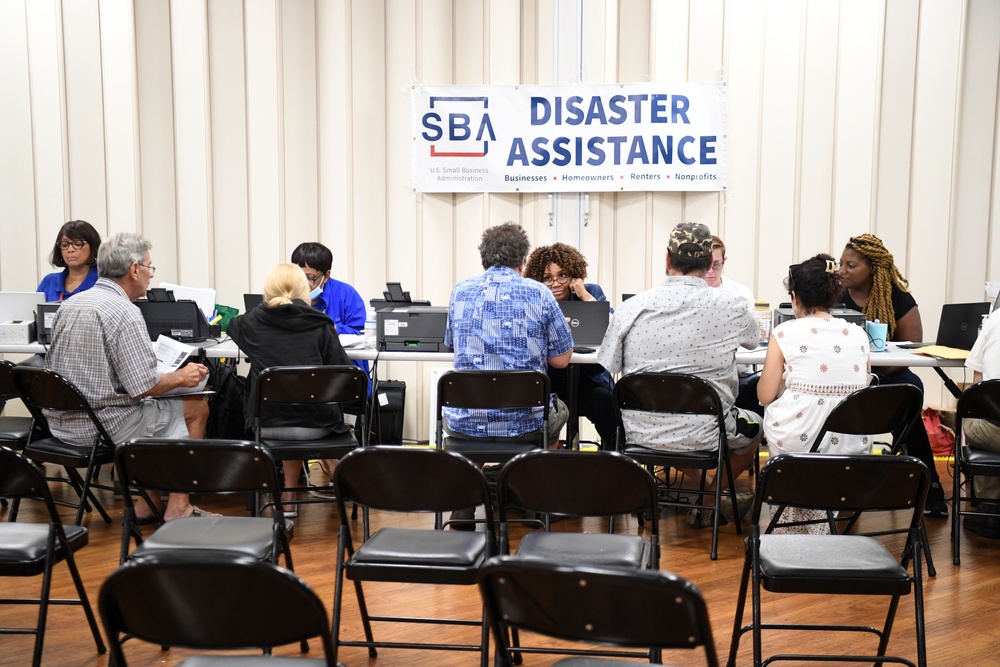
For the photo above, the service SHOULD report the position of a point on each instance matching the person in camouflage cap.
(690, 239)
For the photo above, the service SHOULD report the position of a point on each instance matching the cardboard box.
(17, 332)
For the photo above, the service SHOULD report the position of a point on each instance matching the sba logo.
(458, 126)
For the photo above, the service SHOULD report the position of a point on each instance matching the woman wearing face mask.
(874, 285)
(563, 269)
(75, 250)
(285, 331)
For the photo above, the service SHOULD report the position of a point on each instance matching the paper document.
(171, 355)
(942, 352)
(204, 297)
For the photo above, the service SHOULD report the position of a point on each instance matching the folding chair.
(980, 401)
(202, 466)
(835, 564)
(30, 549)
(42, 389)
(14, 431)
(678, 393)
(399, 479)
(290, 386)
(222, 602)
(595, 484)
(624, 608)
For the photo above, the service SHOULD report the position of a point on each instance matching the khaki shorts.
(155, 418)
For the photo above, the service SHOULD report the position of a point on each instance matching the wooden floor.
(962, 603)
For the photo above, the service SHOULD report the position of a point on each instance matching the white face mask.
(316, 292)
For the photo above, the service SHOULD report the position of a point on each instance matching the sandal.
(196, 513)
(704, 518)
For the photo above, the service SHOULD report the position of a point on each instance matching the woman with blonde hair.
(875, 286)
(286, 331)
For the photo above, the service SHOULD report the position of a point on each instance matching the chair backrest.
(405, 479)
(670, 393)
(43, 389)
(576, 484)
(173, 599)
(196, 466)
(981, 400)
(875, 410)
(20, 478)
(835, 482)
(301, 385)
(8, 389)
(494, 390)
(628, 608)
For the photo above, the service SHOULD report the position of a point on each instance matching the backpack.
(226, 413)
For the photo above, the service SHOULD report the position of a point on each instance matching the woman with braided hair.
(874, 286)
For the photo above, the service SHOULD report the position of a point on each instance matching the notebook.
(251, 301)
(588, 321)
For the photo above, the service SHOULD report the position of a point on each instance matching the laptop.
(959, 326)
(251, 301)
(19, 305)
(588, 321)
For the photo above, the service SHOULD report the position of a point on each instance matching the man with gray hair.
(686, 326)
(100, 343)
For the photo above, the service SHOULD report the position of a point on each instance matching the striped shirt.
(100, 343)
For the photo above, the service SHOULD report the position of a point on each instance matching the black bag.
(226, 413)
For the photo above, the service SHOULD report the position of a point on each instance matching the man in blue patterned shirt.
(501, 321)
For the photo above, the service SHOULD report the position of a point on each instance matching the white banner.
(578, 138)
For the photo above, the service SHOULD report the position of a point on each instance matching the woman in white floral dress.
(813, 362)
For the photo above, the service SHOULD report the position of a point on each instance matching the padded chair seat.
(302, 449)
(402, 546)
(979, 457)
(251, 536)
(23, 545)
(598, 549)
(14, 430)
(250, 661)
(662, 456)
(488, 450)
(593, 662)
(816, 564)
(63, 453)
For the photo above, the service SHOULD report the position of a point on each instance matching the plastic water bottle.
(762, 313)
(370, 330)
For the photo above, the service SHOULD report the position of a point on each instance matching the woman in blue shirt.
(75, 250)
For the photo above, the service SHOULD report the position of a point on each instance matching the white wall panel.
(47, 123)
(21, 249)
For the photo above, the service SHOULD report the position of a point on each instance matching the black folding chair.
(202, 466)
(678, 393)
(291, 386)
(580, 484)
(835, 564)
(398, 479)
(30, 549)
(980, 401)
(14, 431)
(622, 607)
(42, 389)
(222, 602)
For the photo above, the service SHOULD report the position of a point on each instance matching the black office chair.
(835, 564)
(42, 389)
(224, 602)
(30, 549)
(980, 401)
(678, 393)
(399, 479)
(202, 466)
(580, 484)
(14, 431)
(287, 386)
(621, 607)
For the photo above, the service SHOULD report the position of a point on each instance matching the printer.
(45, 317)
(784, 312)
(410, 328)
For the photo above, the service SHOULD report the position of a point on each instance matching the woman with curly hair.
(563, 269)
(874, 285)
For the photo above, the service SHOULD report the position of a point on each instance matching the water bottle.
(762, 313)
(370, 337)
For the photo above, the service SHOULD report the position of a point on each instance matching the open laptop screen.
(588, 321)
(959, 326)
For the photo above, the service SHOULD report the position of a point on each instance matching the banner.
(578, 138)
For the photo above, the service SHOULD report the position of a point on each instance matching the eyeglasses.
(150, 267)
(562, 280)
(717, 266)
(78, 244)
(314, 279)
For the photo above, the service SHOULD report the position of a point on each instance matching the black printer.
(410, 328)
(784, 313)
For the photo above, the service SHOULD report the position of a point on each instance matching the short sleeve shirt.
(902, 303)
(985, 354)
(501, 321)
(100, 343)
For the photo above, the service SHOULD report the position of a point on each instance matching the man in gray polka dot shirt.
(685, 326)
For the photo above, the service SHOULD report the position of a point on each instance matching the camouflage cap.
(690, 239)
